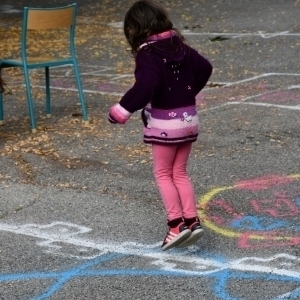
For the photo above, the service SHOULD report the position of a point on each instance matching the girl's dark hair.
(144, 19)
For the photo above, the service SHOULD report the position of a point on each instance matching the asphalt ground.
(80, 215)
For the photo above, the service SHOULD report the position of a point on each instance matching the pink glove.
(118, 114)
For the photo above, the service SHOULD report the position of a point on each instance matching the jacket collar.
(162, 36)
(158, 37)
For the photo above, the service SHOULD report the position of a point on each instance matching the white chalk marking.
(8, 9)
(262, 34)
(261, 76)
(113, 77)
(271, 92)
(76, 90)
(72, 234)
(241, 35)
(295, 107)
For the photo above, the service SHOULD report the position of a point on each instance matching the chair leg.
(1, 109)
(29, 101)
(81, 95)
(48, 106)
(1, 98)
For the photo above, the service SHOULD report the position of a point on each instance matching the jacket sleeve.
(202, 70)
(147, 83)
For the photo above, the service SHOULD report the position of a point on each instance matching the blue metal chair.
(41, 19)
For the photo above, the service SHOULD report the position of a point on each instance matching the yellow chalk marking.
(204, 201)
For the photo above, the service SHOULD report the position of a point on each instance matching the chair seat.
(34, 62)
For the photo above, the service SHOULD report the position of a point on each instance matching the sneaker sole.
(192, 239)
(177, 240)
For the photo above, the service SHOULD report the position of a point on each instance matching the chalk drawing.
(280, 268)
(271, 222)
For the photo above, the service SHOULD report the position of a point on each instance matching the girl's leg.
(182, 181)
(187, 195)
(163, 159)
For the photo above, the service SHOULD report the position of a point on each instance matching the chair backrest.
(48, 18)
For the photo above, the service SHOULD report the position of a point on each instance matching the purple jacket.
(169, 74)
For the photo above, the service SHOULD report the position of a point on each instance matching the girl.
(169, 74)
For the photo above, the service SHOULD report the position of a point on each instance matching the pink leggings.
(174, 184)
